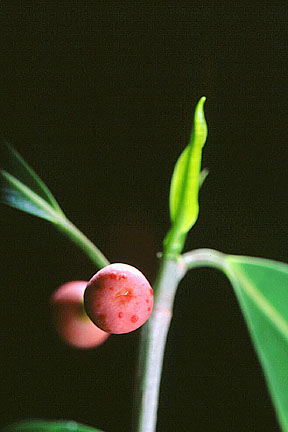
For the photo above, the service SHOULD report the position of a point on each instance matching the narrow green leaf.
(21, 188)
(48, 426)
(185, 183)
(261, 287)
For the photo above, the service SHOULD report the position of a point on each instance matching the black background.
(99, 98)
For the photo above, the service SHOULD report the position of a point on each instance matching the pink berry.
(70, 319)
(118, 298)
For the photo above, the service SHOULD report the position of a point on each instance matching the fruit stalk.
(152, 345)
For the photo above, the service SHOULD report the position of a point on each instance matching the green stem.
(152, 346)
(154, 332)
(72, 232)
(205, 258)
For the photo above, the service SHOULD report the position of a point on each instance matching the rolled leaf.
(185, 183)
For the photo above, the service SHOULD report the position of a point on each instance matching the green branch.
(77, 237)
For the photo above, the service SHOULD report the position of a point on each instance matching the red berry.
(70, 319)
(118, 298)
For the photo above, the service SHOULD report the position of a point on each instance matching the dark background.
(99, 98)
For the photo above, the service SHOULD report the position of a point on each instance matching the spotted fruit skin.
(118, 298)
(70, 319)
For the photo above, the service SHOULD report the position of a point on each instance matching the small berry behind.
(118, 298)
(70, 319)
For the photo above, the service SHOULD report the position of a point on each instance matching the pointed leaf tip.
(202, 101)
(199, 110)
(200, 129)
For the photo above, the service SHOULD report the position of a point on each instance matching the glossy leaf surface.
(48, 426)
(21, 188)
(261, 287)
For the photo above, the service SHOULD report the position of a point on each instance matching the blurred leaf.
(202, 177)
(185, 183)
(21, 188)
(48, 426)
(262, 290)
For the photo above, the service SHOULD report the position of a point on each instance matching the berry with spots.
(70, 319)
(118, 298)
